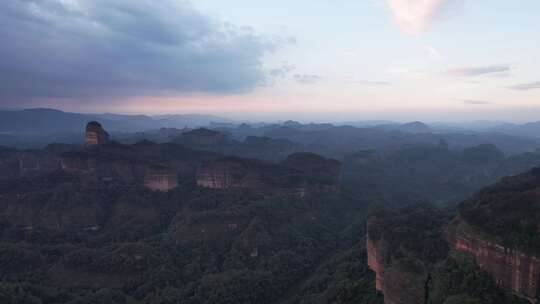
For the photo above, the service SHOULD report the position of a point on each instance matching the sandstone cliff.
(95, 134)
(230, 172)
(510, 268)
(498, 226)
(494, 248)
(30, 163)
(394, 280)
(160, 178)
(300, 175)
(156, 166)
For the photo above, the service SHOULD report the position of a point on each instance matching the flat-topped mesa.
(95, 134)
(160, 178)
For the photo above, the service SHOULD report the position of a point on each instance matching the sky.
(321, 60)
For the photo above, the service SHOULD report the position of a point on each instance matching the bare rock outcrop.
(160, 178)
(95, 134)
(395, 282)
(300, 175)
(510, 268)
(229, 172)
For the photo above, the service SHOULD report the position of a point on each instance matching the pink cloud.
(415, 16)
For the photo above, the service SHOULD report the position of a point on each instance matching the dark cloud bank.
(97, 48)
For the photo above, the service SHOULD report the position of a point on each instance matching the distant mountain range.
(50, 121)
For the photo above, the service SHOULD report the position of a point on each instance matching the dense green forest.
(65, 241)
(508, 211)
(90, 238)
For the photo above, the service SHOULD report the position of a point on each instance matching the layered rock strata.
(510, 268)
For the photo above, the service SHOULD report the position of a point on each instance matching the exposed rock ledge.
(511, 268)
(398, 286)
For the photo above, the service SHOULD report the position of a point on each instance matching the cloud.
(415, 16)
(370, 83)
(307, 79)
(492, 70)
(282, 71)
(475, 102)
(526, 86)
(98, 48)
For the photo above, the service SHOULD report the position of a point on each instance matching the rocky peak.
(95, 134)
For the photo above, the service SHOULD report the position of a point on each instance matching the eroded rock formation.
(156, 166)
(300, 175)
(228, 173)
(395, 282)
(95, 134)
(510, 268)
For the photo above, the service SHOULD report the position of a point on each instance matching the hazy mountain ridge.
(50, 121)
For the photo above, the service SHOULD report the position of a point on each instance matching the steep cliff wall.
(161, 179)
(95, 134)
(319, 175)
(404, 248)
(394, 280)
(32, 163)
(376, 261)
(28, 163)
(498, 226)
(510, 268)
(227, 173)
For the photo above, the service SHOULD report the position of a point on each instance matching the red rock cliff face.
(510, 268)
(397, 285)
(95, 135)
(161, 179)
(376, 263)
(322, 176)
(224, 174)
